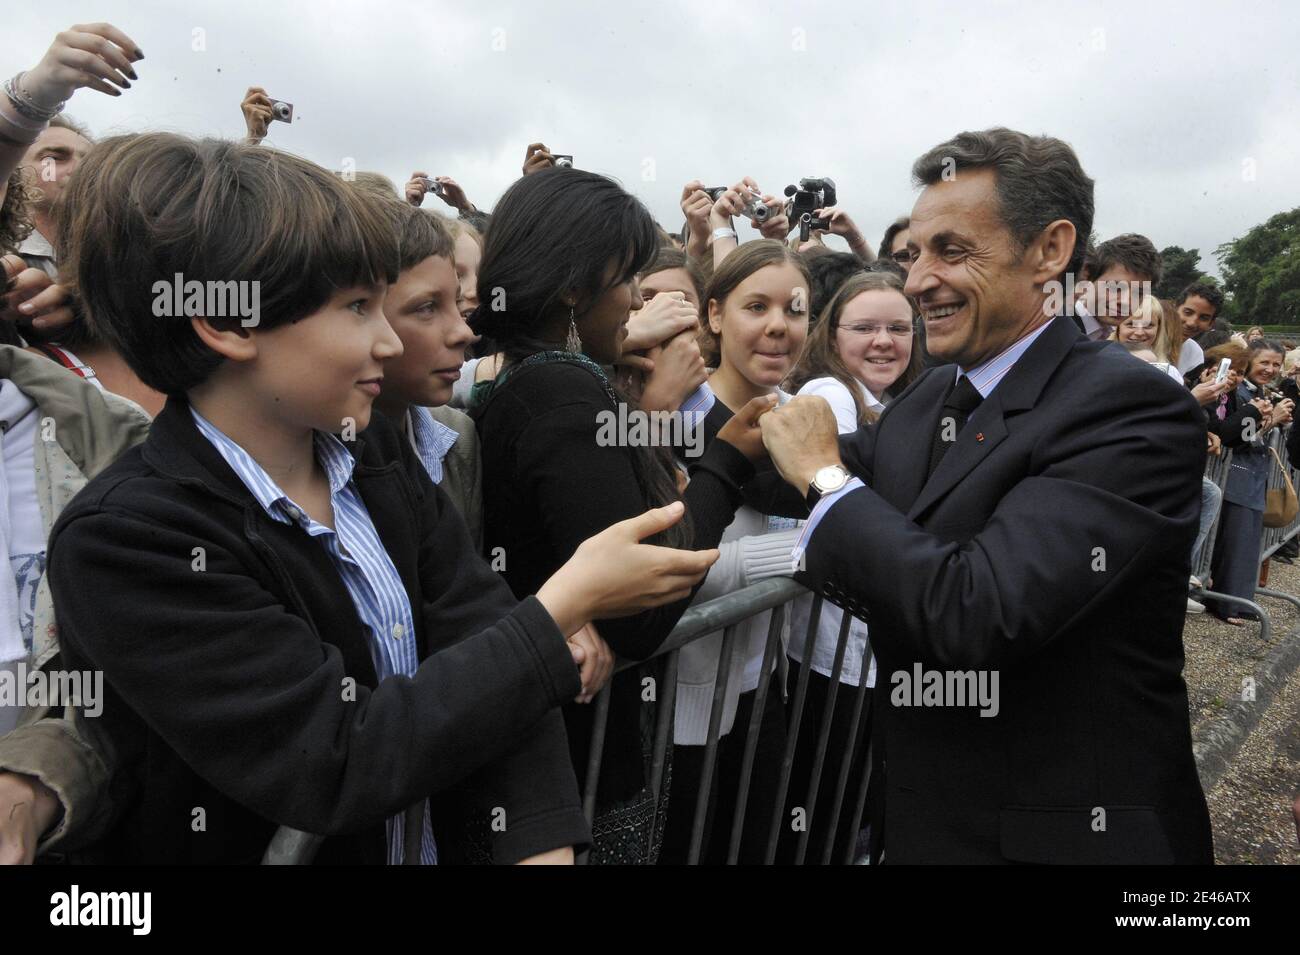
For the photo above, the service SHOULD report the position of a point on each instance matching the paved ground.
(1250, 807)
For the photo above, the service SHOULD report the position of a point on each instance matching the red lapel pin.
(979, 436)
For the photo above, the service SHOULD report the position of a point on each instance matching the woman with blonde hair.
(1153, 326)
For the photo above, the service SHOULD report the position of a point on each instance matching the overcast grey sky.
(1186, 114)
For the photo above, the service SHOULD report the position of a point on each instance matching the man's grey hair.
(1039, 180)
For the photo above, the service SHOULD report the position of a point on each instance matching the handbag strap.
(1282, 467)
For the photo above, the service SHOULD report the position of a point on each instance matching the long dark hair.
(554, 231)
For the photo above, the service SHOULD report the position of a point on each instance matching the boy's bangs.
(355, 247)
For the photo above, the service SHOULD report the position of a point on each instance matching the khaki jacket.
(81, 432)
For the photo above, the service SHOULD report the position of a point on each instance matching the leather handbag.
(1280, 503)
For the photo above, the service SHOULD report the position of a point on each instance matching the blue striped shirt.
(431, 440)
(365, 567)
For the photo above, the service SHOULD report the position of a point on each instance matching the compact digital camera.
(282, 111)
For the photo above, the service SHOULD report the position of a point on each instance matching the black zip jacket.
(239, 689)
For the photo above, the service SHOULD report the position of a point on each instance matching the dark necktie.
(957, 408)
(1079, 323)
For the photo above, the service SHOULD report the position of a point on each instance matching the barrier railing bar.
(823, 735)
(600, 719)
(774, 628)
(711, 746)
(843, 782)
(787, 758)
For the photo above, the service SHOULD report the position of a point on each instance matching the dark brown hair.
(1131, 251)
(419, 234)
(669, 257)
(142, 209)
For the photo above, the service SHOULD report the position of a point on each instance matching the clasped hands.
(801, 438)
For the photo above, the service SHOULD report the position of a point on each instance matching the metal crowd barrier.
(1216, 469)
(726, 613)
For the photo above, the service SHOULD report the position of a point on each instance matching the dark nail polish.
(131, 73)
(139, 53)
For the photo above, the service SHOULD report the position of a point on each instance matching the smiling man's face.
(976, 291)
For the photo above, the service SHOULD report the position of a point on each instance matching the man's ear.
(233, 341)
(1053, 249)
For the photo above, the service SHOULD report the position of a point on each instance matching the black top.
(227, 687)
(548, 486)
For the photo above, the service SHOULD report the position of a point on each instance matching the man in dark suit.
(1018, 520)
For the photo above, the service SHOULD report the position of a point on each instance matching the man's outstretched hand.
(802, 438)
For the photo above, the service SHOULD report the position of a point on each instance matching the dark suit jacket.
(1052, 545)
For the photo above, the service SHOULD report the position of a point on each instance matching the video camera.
(806, 198)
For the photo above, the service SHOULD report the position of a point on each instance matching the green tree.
(1261, 271)
(1182, 267)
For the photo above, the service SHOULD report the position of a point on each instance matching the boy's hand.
(614, 575)
(27, 809)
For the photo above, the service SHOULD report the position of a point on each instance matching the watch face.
(830, 478)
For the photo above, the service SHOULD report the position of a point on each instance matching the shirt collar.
(986, 375)
(431, 440)
(36, 244)
(1091, 326)
(872, 402)
(331, 453)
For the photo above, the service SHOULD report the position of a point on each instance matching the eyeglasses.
(902, 256)
(872, 329)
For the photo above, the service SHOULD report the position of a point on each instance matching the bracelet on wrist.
(723, 233)
(26, 105)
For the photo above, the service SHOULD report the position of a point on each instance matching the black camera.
(805, 199)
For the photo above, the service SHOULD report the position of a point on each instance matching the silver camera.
(563, 160)
(434, 186)
(755, 210)
(282, 111)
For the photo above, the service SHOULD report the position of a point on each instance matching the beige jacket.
(81, 432)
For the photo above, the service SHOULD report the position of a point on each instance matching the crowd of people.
(358, 561)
